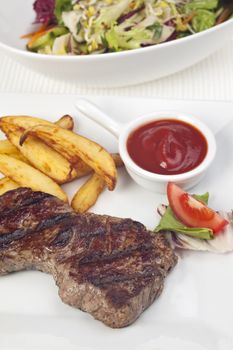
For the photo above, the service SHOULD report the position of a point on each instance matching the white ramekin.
(151, 181)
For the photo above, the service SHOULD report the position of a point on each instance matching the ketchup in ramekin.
(167, 146)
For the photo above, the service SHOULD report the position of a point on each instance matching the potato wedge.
(24, 122)
(27, 176)
(88, 194)
(6, 147)
(75, 147)
(65, 122)
(36, 152)
(18, 155)
(117, 160)
(42, 157)
(84, 169)
(39, 154)
(7, 184)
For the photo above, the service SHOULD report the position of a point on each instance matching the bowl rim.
(168, 114)
(113, 55)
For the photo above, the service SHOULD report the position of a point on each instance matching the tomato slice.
(192, 212)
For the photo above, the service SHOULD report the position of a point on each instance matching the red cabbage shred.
(44, 11)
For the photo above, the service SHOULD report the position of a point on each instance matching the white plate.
(113, 69)
(195, 310)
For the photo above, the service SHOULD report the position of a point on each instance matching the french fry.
(25, 122)
(27, 176)
(37, 153)
(117, 159)
(88, 194)
(66, 122)
(84, 169)
(42, 157)
(6, 147)
(75, 147)
(19, 156)
(9, 149)
(7, 184)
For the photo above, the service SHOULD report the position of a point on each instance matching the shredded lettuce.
(98, 26)
(203, 20)
(203, 14)
(126, 40)
(110, 14)
(201, 4)
(157, 30)
(60, 7)
(60, 45)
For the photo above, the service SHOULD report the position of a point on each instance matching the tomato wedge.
(192, 212)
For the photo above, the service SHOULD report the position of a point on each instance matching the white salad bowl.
(148, 180)
(111, 69)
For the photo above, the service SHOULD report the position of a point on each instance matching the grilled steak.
(110, 267)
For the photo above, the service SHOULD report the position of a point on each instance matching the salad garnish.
(84, 27)
(193, 211)
(213, 230)
(169, 222)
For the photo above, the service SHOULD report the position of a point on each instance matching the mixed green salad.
(84, 27)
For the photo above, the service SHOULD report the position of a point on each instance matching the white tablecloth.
(211, 79)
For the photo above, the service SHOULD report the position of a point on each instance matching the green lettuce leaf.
(110, 14)
(201, 4)
(169, 222)
(157, 29)
(203, 20)
(118, 40)
(62, 6)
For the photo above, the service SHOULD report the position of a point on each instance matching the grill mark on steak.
(126, 225)
(99, 231)
(8, 237)
(66, 219)
(96, 257)
(110, 267)
(62, 238)
(116, 278)
(20, 200)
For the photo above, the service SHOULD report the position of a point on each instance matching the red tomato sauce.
(167, 147)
